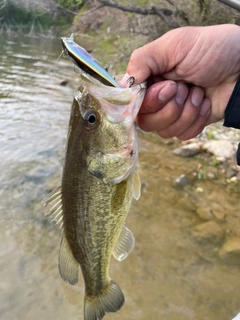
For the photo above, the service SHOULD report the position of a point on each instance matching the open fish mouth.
(117, 103)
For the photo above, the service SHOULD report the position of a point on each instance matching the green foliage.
(11, 14)
(17, 18)
(211, 134)
(215, 162)
(56, 14)
(142, 3)
(200, 174)
(71, 4)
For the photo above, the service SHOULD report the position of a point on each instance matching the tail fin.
(111, 300)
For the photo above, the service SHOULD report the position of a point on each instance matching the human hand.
(206, 57)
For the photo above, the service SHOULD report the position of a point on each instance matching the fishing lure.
(86, 62)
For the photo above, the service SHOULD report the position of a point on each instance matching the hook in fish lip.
(132, 81)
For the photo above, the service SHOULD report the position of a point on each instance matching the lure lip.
(86, 62)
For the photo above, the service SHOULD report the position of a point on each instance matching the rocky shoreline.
(220, 141)
(216, 149)
(218, 223)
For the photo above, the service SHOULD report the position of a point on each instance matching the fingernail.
(181, 95)
(197, 96)
(167, 92)
(206, 105)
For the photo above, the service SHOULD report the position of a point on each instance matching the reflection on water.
(171, 273)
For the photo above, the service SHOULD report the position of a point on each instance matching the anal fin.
(67, 265)
(124, 245)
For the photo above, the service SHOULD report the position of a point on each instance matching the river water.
(176, 270)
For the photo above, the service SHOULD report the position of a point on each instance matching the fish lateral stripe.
(87, 62)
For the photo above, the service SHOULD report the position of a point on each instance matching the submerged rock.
(218, 211)
(182, 181)
(204, 213)
(209, 232)
(64, 82)
(230, 251)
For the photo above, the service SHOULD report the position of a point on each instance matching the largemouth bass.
(98, 184)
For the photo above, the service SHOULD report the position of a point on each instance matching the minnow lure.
(86, 62)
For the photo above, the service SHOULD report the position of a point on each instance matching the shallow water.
(174, 272)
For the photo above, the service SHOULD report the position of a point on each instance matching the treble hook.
(132, 81)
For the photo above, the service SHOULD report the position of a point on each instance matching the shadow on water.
(176, 270)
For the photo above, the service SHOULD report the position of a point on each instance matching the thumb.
(146, 61)
(162, 55)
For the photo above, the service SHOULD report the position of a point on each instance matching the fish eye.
(91, 118)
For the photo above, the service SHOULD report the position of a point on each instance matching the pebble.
(204, 213)
(211, 175)
(233, 179)
(218, 211)
(222, 149)
(182, 181)
(64, 82)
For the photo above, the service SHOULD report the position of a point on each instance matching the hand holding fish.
(191, 74)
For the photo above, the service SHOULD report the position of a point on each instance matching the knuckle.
(134, 55)
(165, 133)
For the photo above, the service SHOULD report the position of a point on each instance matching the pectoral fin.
(124, 244)
(136, 186)
(53, 202)
(67, 265)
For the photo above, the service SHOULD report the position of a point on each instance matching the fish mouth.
(118, 104)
